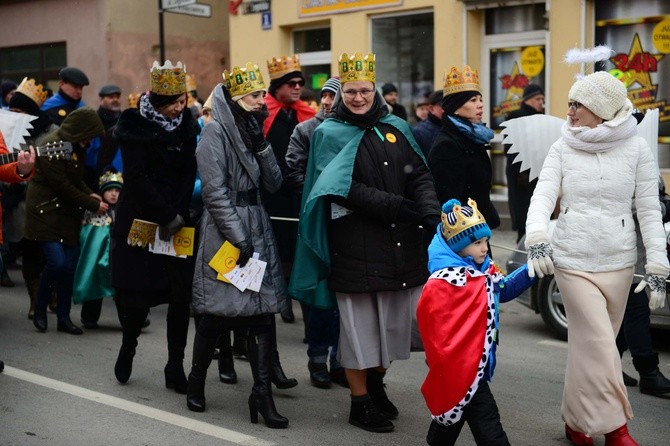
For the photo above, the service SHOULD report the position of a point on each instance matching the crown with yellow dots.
(242, 81)
(33, 90)
(457, 81)
(357, 68)
(282, 66)
(459, 224)
(110, 180)
(168, 79)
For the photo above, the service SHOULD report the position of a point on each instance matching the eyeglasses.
(364, 92)
(573, 105)
(293, 84)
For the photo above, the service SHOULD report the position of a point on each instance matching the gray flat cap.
(110, 89)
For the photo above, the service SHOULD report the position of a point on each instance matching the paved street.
(59, 389)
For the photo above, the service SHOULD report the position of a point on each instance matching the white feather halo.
(589, 55)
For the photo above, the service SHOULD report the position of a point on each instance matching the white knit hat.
(601, 93)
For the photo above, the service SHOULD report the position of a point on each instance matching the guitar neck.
(8, 158)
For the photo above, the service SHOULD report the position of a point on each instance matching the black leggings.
(178, 315)
(211, 326)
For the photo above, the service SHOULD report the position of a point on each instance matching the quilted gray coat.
(228, 169)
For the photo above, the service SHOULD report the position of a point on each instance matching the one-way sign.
(169, 4)
(196, 9)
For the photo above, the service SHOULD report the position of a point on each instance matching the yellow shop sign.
(320, 7)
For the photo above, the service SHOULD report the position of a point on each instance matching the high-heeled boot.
(203, 348)
(620, 437)
(278, 376)
(227, 372)
(259, 348)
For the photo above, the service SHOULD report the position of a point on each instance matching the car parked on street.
(544, 297)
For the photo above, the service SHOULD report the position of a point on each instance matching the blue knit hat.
(462, 225)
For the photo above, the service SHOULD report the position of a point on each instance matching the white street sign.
(196, 9)
(169, 4)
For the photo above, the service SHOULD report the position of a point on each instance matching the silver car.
(545, 298)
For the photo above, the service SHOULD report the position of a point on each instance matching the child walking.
(93, 277)
(458, 320)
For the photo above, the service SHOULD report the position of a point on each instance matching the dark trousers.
(634, 334)
(60, 263)
(482, 416)
(90, 310)
(323, 332)
(178, 315)
(211, 326)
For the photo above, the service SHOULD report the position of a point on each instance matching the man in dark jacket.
(390, 94)
(519, 188)
(70, 88)
(424, 131)
(109, 112)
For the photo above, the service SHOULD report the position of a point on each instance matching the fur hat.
(601, 93)
(531, 91)
(462, 225)
(332, 85)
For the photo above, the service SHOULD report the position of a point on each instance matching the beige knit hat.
(601, 93)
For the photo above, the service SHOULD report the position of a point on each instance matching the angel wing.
(531, 138)
(648, 129)
(14, 126)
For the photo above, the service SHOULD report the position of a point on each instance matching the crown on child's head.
(168, 79)
(110, 179)
(357, 68)
(462, 225)
(33, 90)
(242, 81)
(283, 66)
(457, 81)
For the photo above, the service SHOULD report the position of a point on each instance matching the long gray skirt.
(375, 328)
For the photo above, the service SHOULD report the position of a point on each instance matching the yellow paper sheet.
(225, 260)
(183, 241)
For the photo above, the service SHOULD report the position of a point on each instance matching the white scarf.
(149, 112)
(598, 139)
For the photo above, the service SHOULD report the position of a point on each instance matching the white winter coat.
(595, 231)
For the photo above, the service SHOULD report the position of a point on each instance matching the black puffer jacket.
(462, 170)
(375, 248)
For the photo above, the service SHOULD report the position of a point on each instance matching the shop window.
(313, 48)
(404, 47)
(41, 62)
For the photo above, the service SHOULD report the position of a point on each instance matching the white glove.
(539, 260)
(655, 287)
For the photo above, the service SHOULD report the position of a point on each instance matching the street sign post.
(195, 9)
(169, 4)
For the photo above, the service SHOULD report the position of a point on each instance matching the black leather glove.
(246, 251)
(170, 229)
(408, 212)
(258, 142)
(430, 222)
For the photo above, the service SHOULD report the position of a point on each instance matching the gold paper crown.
(456, 81)
(357, 68)
(33, 90)
(280, 67)
(133, 99)
(462, 222)
(242, 81)
(111, 177)
(168, 79)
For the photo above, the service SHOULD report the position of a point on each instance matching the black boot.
(175, 378)
(40, 319)
(366, 415)
(337, 373)
(287, 312)
(318, 374)
(280, 379)
(124, 363)
(375, 384)
(259, 350)
(203, 348)
(227, 372)
(652, 381)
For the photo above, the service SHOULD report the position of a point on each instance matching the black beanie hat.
(388, 88)
(453, 102)
(7, 86)
(276, 83)
(530, 91)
